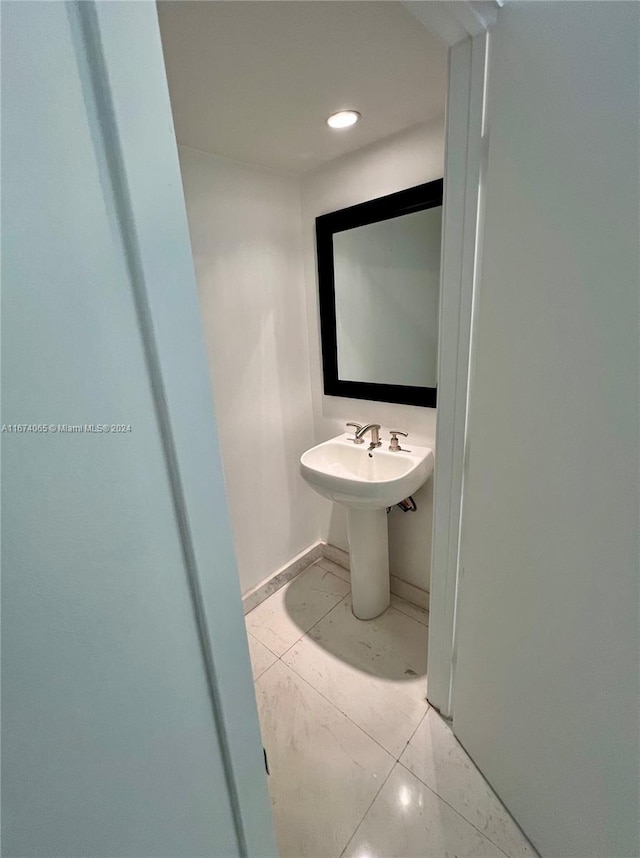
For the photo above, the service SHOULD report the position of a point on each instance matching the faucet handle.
(357, 427)
(394, 446)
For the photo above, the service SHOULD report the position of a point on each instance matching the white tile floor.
(360, 765)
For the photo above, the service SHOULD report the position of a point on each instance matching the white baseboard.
(409, 592)
(336, 555)
(416, 595)
(281, 576)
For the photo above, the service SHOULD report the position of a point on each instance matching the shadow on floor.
(392, 646)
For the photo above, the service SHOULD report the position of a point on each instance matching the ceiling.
(256, 80)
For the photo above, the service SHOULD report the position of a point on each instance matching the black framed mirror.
(378, 281)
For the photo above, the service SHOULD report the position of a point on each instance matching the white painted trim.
(463, 156)
(409, 592)
(452, 22)
(405, 590)
(272, 583)
(475, 17)
(336, 555)
(135, 119)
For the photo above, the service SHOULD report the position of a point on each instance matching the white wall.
(244, 224)
(254, 253)
(109, 739)
(410, 158)
(546, 686)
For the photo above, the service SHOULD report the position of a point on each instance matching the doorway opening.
(342, 703)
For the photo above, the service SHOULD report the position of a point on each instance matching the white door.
(129, 723)
(546, 684)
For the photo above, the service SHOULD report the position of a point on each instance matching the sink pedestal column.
(369, 561)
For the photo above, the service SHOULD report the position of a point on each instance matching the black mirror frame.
(414, 199)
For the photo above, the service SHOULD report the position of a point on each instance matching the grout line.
(333, 563)
(297, 640)
(317, 690)
(249, 633)
(263, 673)
(255, 681)
(461, 815)
(355, 830)
(344, 598)
(338, 709)
(414, 732)
(304, 634)
(396, 759)
(359, 726)
(334, 706)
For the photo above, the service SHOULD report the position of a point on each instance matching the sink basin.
(351, 475)
(366, 482)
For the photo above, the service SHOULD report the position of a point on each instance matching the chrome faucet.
(356, 439)
(394, 446)
(375, 434)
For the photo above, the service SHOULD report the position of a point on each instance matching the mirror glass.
(379, 277)
(387, 277)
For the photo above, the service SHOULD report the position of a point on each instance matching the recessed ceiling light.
(343, 119)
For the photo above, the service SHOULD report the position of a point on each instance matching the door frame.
(134, 117)
(463, 27)
(166, 300)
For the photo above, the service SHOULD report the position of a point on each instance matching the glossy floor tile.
(374, 671)
(261, 657)
(360, 765)
(436, 757)
(325, 771)
(284, 617)
(408, 820)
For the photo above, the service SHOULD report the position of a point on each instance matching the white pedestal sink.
(366, 482)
